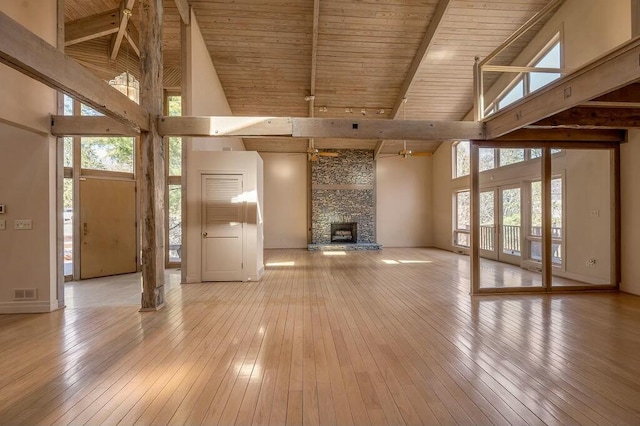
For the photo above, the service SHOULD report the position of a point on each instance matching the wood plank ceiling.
(263, 49)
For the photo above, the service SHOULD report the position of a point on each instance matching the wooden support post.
(152, 179)
(547, 260)
(475, 217)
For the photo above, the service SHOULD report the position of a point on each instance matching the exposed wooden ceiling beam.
(610, 72)
(75, 125)
(99, 25)
(535, 135)
(378, 149)
(421, 54)
(319, 128)
(183, 10)
(630, 93)
(133, 37)
(126, 6)
(588, 117)
(29, 54)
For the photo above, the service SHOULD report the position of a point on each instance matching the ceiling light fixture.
(323, 109)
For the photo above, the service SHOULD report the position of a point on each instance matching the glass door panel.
(488, 229)
(511, 225)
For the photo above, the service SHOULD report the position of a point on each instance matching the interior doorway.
(501, 224)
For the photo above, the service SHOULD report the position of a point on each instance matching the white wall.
(203, 95)
(404, 202)
(630, 212)
(27, 172)
(285, 200)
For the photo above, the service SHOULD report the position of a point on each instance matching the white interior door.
(222, 227)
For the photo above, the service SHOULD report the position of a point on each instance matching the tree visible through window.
(462, 158)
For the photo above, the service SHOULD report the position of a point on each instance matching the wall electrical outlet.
(22, 224)
(3, 224)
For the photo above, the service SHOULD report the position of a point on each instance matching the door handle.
(204, 234)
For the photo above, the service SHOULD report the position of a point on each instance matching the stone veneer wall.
(343, 190)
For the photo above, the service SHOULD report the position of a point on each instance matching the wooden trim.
(421, 53)
(523, 29)
(521, 69)
(611, 71)
(342, 187)
(474, 248)
(561, 135)
(105, 174)
(24, 51)
(478, 91)
(616, 238)
(66, 125)
(77, 211)
(60, 172)
(184, 10)
(187, 83)
(546, 219)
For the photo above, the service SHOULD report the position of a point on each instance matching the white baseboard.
(29, 307)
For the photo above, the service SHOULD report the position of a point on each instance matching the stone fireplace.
(343, 193)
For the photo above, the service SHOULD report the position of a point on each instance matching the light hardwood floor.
(365, 338)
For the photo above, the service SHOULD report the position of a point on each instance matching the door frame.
(502, 256)
(201, 218)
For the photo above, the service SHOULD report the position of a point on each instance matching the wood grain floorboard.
(360, 338)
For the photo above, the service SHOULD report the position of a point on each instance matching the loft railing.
(482, 66)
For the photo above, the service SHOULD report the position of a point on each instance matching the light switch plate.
(3, 224)
(22, 224)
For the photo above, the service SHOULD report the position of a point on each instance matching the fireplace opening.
(344, 232)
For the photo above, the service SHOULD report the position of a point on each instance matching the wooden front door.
(108, 227)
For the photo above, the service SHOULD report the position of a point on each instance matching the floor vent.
(25, 294)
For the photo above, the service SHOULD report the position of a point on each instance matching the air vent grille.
(25, 294)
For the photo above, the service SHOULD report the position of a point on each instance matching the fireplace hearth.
(346, 232)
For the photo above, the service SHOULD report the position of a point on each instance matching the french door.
(501, 223)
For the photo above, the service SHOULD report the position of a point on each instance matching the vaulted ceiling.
(355, 56)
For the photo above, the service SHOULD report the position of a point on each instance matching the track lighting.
(323, 109)
(363, 111)
(309, 98)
